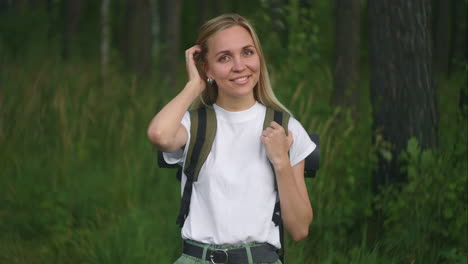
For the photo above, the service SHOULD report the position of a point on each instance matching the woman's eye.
(248, 52)
(223, 58)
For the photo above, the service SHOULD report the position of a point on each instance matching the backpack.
(203, 131)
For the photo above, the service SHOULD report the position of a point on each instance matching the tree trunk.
(204, 12)
(35, 3)
(220, 7)
(105, 35)
(442, 37)
(459, 51)
(51, 19)
(72, 10)
(139, 38)
(279, 20)
(156, 28)
(1, 115)
(402, 91)
(236, 6)
(3, 7)
(347, 54)
(172, 39)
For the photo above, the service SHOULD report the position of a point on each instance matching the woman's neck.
(234, 104)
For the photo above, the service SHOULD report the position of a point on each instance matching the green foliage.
(425, 218)
(299, 68)
(428, 213)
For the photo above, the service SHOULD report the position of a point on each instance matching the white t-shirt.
(232, 202)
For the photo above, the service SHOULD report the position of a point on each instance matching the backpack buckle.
(219, 256)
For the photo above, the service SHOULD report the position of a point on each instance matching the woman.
(233, 200)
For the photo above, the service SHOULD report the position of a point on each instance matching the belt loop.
(205, 249)
(249, 254)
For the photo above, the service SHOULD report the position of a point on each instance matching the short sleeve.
(302, 145)
(178, 157)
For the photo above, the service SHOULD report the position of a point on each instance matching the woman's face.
(233, 62)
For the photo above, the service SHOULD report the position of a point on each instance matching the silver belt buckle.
(224, 251)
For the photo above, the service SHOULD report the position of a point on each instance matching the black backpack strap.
(163, 164)
(282, 119)
(202, 133)
(313, 160)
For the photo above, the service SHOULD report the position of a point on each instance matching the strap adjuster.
(219, 256)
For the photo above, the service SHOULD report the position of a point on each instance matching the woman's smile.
(241, 80)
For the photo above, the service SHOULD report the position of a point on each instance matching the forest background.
(384, 84)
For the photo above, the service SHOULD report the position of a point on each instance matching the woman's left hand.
(276, 143)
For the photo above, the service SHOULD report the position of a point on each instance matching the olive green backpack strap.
(282, 118)
(202, 134)
(279, 117)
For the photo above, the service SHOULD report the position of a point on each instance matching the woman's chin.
(242, 90)
(241, 93)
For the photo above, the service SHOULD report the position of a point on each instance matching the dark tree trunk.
(220, 7)
(459, 51)
(163, 20)
(402, 91)
(347, 54)
(205, 11)
(35, 3)
(278, 17)
(1, 115)
(72, 10)
(172, 40)
(442, 37)
(156, 28)
(4, 6)
(105, 39)
(236, 6)
(137, 45)
(50, 13)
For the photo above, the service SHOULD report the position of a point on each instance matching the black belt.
(263, 253)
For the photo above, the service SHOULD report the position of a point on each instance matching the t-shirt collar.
(238, 116)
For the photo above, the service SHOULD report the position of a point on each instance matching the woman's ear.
(204, 70)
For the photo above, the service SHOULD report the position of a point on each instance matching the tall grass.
(77, 171)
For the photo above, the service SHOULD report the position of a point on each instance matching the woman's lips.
(241, 80)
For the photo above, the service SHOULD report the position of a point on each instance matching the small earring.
(209, 81)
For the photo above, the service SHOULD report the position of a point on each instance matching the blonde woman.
(231, 203)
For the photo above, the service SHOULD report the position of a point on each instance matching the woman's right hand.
(192, 71)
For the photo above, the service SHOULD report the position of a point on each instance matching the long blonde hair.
(263, 92)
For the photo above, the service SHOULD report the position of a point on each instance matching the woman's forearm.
(163, 128)
(296, 210)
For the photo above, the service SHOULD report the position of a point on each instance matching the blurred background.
(384, 83)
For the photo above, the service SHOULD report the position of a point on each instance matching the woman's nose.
(239, 65)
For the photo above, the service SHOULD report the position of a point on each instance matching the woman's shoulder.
(299, 132)
(294, 124)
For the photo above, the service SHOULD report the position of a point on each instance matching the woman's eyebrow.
(223, 51)
(229, 52)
